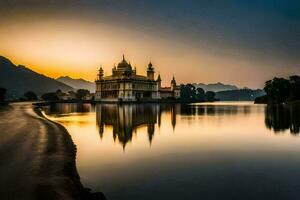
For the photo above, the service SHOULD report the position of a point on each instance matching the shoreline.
(72, 173)
(38, 157)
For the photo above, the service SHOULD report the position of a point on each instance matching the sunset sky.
(241, 42)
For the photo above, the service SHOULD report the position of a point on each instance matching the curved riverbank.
(37, 157)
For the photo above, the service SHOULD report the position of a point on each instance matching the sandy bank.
(37, 157)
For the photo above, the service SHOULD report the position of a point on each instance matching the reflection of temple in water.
(280, 118)
(126, 119)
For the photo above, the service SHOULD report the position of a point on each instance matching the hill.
(77, 83)
(239, 95)
(215, 87)
(19, 79)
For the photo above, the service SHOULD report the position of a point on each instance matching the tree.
(187, 92)
(31, 96)
(82, 93)
(200, 94)
(295, 87)
(281, 90)
(2, 94)
(210, 96)
(51, 96)
(278, 90)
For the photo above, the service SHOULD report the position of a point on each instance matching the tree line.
(54, 96)
(281, 90)
(50, 96)
(189, 92)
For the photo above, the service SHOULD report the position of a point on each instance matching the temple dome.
(124, 64)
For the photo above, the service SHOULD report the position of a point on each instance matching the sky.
(241, 42)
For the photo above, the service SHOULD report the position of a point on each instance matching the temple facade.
(125, 85)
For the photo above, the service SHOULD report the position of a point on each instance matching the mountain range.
(215, 87)
(77, 83)
(239, 95)
(19, 79)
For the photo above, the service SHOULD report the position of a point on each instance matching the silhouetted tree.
(187, 92)
(2, 94)
(295, 87)
(210, 96)
(190, 92)
(278, 89)
(31, 96)
(200, 94)
(82, 93)
(51, 96)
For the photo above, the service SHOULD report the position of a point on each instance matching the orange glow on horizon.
(59, 47)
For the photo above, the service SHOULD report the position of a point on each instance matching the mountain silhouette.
(19, 79)
(77, 83)
(215, 87)
(239, 95)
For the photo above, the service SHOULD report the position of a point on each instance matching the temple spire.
(100, 73)
(173, 82)
(123, 57)
(158, 77)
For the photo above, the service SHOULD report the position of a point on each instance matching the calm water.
(198, 151)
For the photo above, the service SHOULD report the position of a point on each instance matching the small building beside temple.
(169, 92)
(125, 85)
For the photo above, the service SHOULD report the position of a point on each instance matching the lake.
(224, 150)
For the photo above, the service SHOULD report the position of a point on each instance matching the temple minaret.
(98, 83)
(150, 71)
(173, 83)
(100, 73)
(158, 81)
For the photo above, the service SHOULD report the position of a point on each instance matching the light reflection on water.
(208, 151)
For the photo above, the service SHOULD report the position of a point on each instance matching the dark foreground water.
(199, 151)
